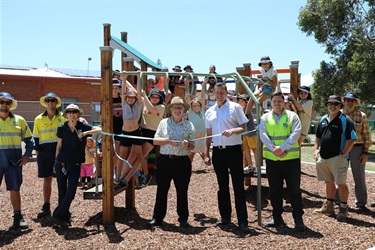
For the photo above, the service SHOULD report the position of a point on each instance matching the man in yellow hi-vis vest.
(279, 131)
(44, 133)
(13, 130)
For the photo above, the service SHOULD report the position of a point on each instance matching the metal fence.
(31, 109)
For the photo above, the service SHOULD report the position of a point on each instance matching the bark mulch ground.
(131, 231)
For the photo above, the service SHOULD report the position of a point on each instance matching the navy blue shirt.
(333, 135)
(73, 148)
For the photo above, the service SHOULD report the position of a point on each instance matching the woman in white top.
(303, 105)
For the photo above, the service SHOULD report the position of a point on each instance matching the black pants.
(231, 159)
(290, 171)
(177, 169)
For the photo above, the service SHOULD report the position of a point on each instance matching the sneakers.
(116, 180)
(249, 169)
(343, 214)
(279, 222)
(124, 183)
(46, 211)
(19, 222)
(327, 208)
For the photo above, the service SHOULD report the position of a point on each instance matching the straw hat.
(50, 95)
(176, 100)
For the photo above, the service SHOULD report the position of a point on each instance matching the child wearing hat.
(303, 104)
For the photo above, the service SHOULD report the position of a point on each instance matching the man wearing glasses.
(44, 132)
(13, 130)
(335, 138)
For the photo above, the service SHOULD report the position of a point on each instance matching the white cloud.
(307, 80)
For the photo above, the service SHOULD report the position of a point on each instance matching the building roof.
(47, 72)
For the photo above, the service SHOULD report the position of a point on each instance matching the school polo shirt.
(332, 137)
(45, 130)
(73, 148)
(229, 115)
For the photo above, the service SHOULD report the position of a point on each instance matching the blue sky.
(64, 33)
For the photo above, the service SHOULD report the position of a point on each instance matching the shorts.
(87, 170)
(45, 161)
(249, 142)
(332, 169)
(200, 145)
(149, 134)
(12, 172)
(128, 142)
(267, 89)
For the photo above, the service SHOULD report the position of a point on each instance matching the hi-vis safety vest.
(12, 131)
(278, 133)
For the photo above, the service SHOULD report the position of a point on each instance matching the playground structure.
(243, 79)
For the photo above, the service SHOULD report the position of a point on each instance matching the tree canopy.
(347, 30)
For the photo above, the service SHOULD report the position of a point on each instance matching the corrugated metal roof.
(47, 72)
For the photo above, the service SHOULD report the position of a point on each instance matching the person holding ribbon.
(175, 136)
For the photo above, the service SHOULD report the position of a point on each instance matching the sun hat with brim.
(178, 67)
(304, 89)
(131, 92)
(264, 59)
(188, 67)
(72, 106)
(115, 82)
(333, 98)
(6, 95)
(351, 95)
(176, 100)
(50, 95)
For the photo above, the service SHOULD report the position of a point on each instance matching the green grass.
(308, 156)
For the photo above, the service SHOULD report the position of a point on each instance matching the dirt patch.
(131, 231)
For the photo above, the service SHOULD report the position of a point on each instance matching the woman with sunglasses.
(70, 153)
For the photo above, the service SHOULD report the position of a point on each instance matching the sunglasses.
(5, 102)
(72, 111)
(333, 103)
(50, 100)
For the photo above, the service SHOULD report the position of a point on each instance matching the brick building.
(28, 84)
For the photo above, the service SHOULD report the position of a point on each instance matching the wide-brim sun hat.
(178, 67)
(264, 59)
(50, 95)
(74, 107)
(6, 95)
(351, 95)
(176, 100)
(333, 98)
(304, 89)
(131, 92)
(115, 82)
(188, 67)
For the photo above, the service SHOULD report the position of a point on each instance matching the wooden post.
(128, 63)
(294, 82)
(107, 34)
(107, 126)
(241, 89)
(247, 72)
(124, 38)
